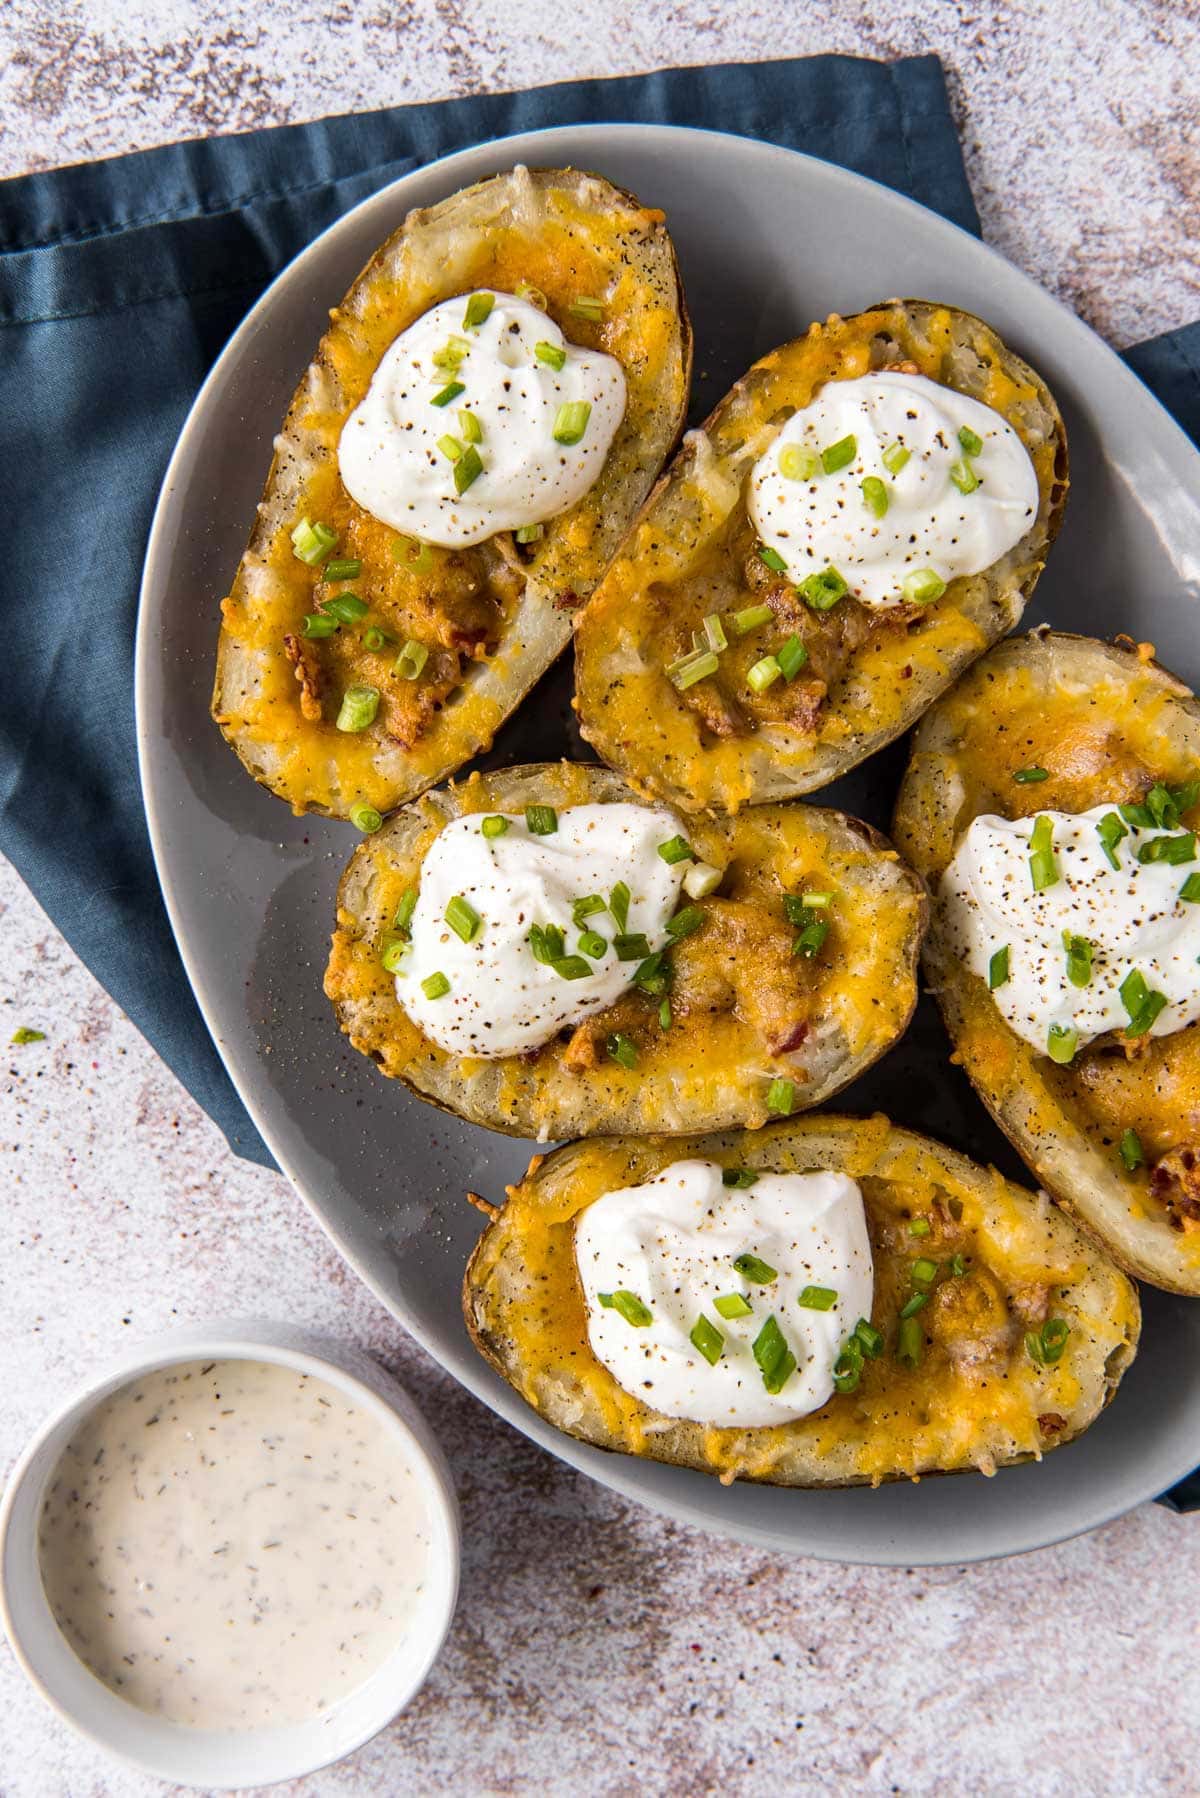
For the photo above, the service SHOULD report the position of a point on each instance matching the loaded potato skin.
(447, 638)
(967, 1387)
(854, 675)
(739, 1025)
(1052, 723)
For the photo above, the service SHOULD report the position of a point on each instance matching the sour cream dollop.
(673, 1242)
(929, 523)
(502, 1000)
(388, 455)
(1132, 917)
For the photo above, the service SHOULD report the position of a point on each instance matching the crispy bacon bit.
(717, 712)
(567, 600)
(303, 659)
(1175, 1179)
(1051, 1424)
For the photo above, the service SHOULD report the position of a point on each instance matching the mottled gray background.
(597, 1648)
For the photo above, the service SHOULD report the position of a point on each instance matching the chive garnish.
(676, 849)
(971, 442)
(358, 708)
(541, 820)
(375, 639)
(870, 1338)
(910, 1342)
(775, 1359)
(629, 1306)
(318, 624)
(685, 922)
(1079, 959)
(732, 1304)
(924, 1271)
(24, 1033)
(875, 495)
(749, 619)
(571, 421)
(435, 986)
(781, 1097)
(914, 1304)
(797, 463)
(821, 591)
(1043, 863)
(707, 1340)
(1132, 1153)
(467, 469)
(622, 1051)
(582, 909)
(366, 819)
(818, 1298)
(847, 1369)
(772, 558)
(753, 1268)
(664, 1015)
(449, 392)
(1172, 850)
(919, 1226)
(922, 586)
(998, 968)
(738, 1176)
(791, 658)
(894, 457)
(1045, 1346)
(1062, 1043)
(493, 826)
(631, 947)
(529, 533)
(963, 476)
(618, 904)
(462, 918)
(405, 910)
(572, 967)
(393, 955)
(1110, 830)
(411, 660)
(1190, 890)
(593, 944)
(479, 308)
(763, 674)
(347, 608)
(1027, 777)
(550, 354)
(1141, 1002)
(311, 543)
(592, 310)
(347, 570)
(692, 668)
(839, 454)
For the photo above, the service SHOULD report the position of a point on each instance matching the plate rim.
(607, 1469)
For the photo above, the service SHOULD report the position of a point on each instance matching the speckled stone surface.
(598, 1648)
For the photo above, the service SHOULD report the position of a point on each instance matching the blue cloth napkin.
(119, 283)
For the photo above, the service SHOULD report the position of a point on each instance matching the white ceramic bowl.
(232, 1759)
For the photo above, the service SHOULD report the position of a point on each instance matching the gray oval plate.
(768, 241)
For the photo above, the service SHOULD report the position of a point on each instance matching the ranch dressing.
(233, 1544)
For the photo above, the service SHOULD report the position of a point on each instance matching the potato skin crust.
(629, 711)
(524, 1311)
(570, 233)
(1105, 720)
(715, 1075)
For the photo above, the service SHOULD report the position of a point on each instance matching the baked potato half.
(1099, 724)
(491, 616)
(1007, 1261)
(754, 1025)
(867, 672)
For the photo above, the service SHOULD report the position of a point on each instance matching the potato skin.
(629, 711)
(715, 1075)
(1103, 719)
(524, 1311)
(564, 229)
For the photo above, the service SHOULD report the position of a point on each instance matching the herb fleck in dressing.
(233, 1544)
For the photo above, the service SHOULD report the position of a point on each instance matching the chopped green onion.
(822, 591)
(358, 708)
(732, 1304)
(912, 1305)
(546, 943)
(775, 1359)
(839, 454)
(469, 425)
(413, 556)
(542, 820)
(366, 819)
(758, 1272)
(875, 495)
(894, 457)
(1045, 1346)
(714, 632)
(525, 290)
(910, 1342)
(797, 463)
(919, 1226)
(847, 1369)
(411, 660)
(618, 904)
(1043, 863)
(571, 421)
(791, 658)
(572, 967)
(707, 1340)
(451, 448)
(468, 468)
(749, 619)
(922, 586)
(1141, 1002)
(593, 944)
(493, 826)
(870, 1338)
(1110, 830)
(702, 879)
(811, 940)
(1027, 777)
(684, 922)
(763, 674)
(393, 955)
(347, 608)
(772, 558)
(551, 354)
(582, 909)
(374, 639)
(693, 668)
(741, 1177)
(405, 910)
(592, 310)
(1190, 890)
(530, 533)
(631, 948)
(449, 392)
(435, 986)
(963, 475)
(311, 543)
(479, 309)
(781, 1097)
(676, 849)
(1079, 959)
(1172, 850)
(818, 1298)
(654, 975)
(924, 1271)
(811, 902)
(998, 969)
(348, 570)
(1132, 1153)
(25, 1034)
(1062, 1042)
(318, 624)
(971, 442)
(957, 1266)
(1140, 816)
(452, 353)
(622, 1050)
(664, 1015)
(1164, 806)
(629, 1306)
(462, 918)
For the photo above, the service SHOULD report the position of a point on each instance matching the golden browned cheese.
(744, 1009)
(491, 616)
(976, 1399)
(1106, 723)
(693, 552)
